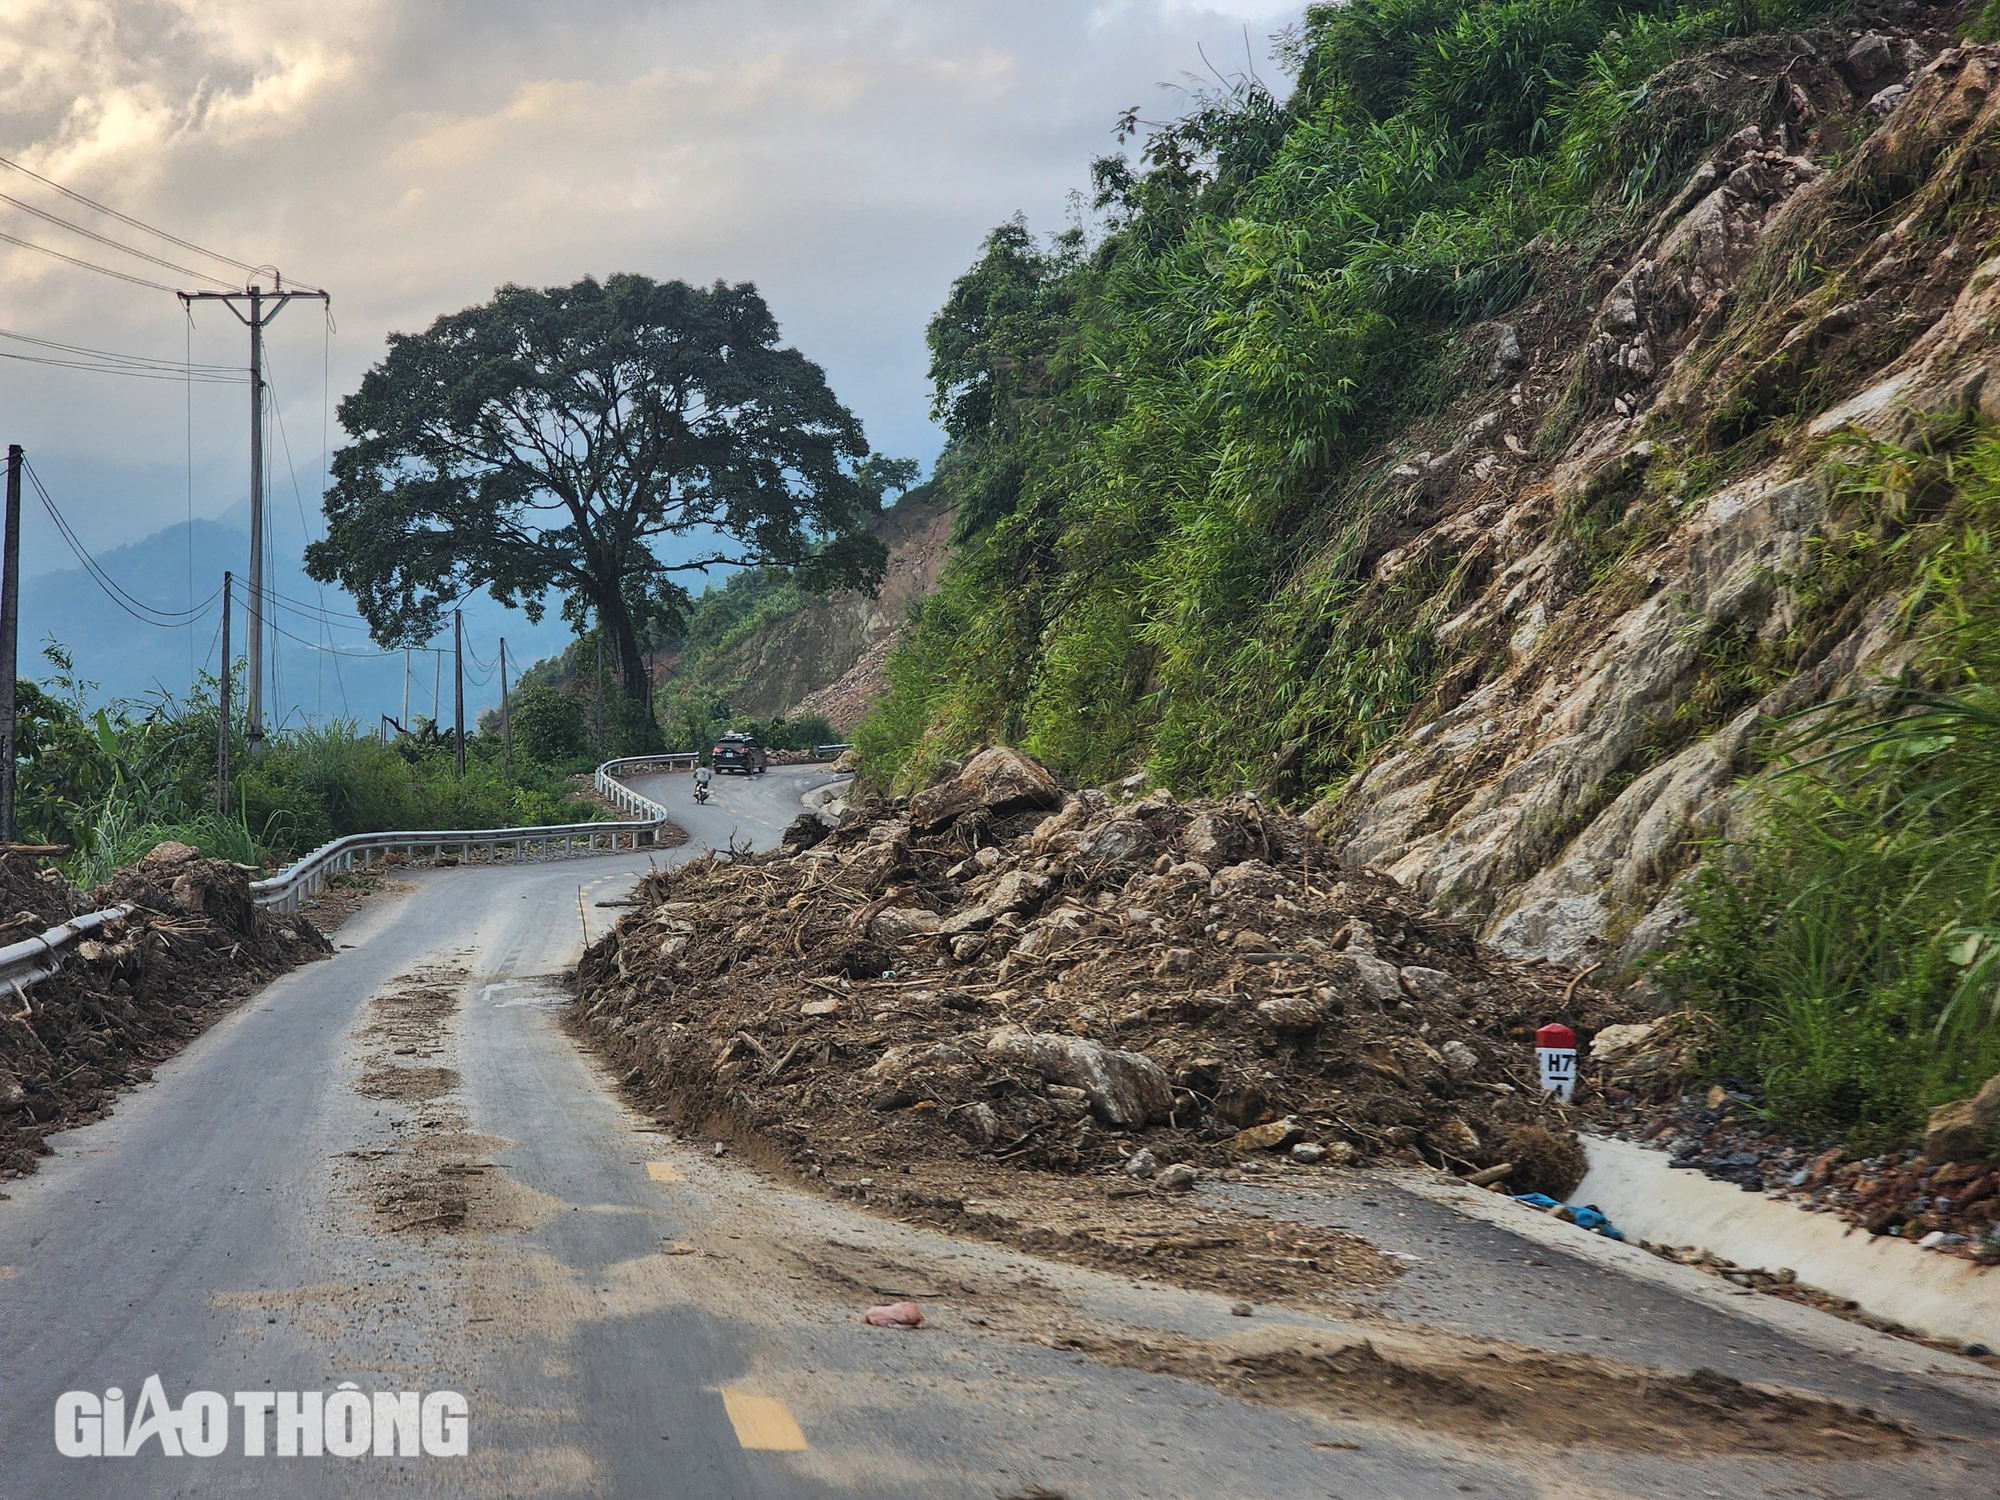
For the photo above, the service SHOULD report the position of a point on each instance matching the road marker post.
(1555, 1056)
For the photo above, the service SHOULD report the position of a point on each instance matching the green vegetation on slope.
(1850, 943)
(555, 710)
(1155, 436)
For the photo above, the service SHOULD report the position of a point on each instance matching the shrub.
(550, 726)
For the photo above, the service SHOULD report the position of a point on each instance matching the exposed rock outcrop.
(1557, 791)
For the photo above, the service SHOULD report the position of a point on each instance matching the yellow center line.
(763, 1422)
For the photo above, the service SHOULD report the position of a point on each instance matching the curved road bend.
(627, 1316)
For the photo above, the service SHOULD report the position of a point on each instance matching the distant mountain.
(129, 658)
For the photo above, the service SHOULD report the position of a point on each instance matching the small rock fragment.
(1373, 979)
(983, 1123)
(1239, 1309)
(1308, 1152)
(1177, 1178)
(1289, 1013)
(1272, 1137)
(1459, 1060)
(1215, 839)
(1613, 1041)
(1142, 1164)
(1869, 58)
(1964, 1130)
(1433, 986)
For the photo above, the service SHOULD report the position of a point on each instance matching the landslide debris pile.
(131, 993)
(994, 968)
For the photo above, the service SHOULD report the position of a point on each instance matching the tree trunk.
(629, 659)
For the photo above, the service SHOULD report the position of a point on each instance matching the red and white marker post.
(1555, 1055)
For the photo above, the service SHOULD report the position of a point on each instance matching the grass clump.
(1849, 939)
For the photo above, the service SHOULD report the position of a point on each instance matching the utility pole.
(222, 706)
(458, 685)
(600, 690)
(404, 723)
(506, 722)
(10, 633)
(263, 307)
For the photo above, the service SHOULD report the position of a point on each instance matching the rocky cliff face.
(1644, 486)
(826, 656)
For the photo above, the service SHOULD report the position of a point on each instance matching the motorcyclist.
(701, 775)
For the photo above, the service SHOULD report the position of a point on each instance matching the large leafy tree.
(598, 441)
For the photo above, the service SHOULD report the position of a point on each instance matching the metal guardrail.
(35, 959)
(621, 795)
(285, 890)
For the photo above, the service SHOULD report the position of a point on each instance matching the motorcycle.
(701, 791)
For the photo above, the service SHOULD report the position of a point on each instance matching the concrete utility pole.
(600, 690)
(458, 685)
(404, 723)
(10, 635)
(506, 723)
(222, 707)
(263, 307)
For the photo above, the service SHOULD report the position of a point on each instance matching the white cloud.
(412, 154)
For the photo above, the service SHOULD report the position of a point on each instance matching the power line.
(105, 240)
(139, 224)
(175, 367)
(158, 286)
(148, 614)
(115, 369)
(305, 528)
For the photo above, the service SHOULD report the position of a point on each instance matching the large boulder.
(1116, 841)
(1216, 839)
(1966, 1130)
(1017, 890)
(1126, 1089)
(894, 923)
(1362, 976)
(996, 780)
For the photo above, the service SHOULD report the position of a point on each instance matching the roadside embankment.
(1887, 1278)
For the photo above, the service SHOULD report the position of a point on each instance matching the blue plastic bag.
(1587, 1216)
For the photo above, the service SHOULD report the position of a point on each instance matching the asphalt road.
(627, 1315)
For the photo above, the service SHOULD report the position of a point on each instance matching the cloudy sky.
(410, 155)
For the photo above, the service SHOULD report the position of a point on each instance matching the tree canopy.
(596, 441)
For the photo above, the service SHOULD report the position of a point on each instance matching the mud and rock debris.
(1000, 971)
(134, 992)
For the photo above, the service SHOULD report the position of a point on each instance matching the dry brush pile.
(995, 969)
